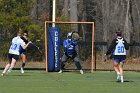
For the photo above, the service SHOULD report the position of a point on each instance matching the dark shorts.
(10, 56)
(119, 58)
(22, 51)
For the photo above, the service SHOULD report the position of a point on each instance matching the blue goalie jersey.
(70, 47)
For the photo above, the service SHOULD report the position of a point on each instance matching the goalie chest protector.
(120, 49)
(70, 48)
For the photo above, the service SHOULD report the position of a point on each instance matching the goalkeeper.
(70, 52)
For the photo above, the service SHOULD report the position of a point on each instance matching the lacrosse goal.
(85, 46)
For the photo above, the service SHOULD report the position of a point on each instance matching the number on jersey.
(121, 49)
(14, 46)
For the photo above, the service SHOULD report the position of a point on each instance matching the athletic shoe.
(22, 71)
(122, 79)
(118, 77)
(9, 71)
(81, 72)
(2, 74)
(60, 71)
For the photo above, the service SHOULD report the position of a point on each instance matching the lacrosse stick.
(37, 48)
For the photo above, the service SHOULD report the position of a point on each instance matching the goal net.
(85, 45)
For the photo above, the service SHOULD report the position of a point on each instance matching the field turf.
(68, 82)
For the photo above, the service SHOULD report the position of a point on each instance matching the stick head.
(75, 36)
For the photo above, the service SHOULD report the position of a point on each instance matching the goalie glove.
(75, 36)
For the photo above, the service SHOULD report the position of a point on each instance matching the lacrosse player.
(14, 52)
(23, 51)
(118, 47)
(70, 52)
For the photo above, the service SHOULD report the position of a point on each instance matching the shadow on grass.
(128, 81)
(20, 75)
(125, 81)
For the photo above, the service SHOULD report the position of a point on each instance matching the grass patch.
(68, 82)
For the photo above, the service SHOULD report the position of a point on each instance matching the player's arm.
(24, 39)
(110, 50)
(74, 43)
(65, 44)
(126, 45)
(111, 47)
(24, 46)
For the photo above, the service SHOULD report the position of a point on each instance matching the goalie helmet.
(69, 35)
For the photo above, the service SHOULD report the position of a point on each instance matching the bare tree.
(127, 27)
(73, 14)
(65, 11)
(105, 12)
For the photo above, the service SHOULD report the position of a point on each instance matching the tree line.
(108, 15)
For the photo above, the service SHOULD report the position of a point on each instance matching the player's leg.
(7, 65)
(23, 57)
(116, 68)
(13, 62)
(5, 69)
(63, 61)
(78, 65)
(121, 71)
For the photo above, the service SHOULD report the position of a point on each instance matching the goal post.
(84, 29)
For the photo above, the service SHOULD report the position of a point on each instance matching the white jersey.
(120, 49)
(16, 43)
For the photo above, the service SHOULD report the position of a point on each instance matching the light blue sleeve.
(65, 43)
(74, 43)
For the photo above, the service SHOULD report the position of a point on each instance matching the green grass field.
(68, 82)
